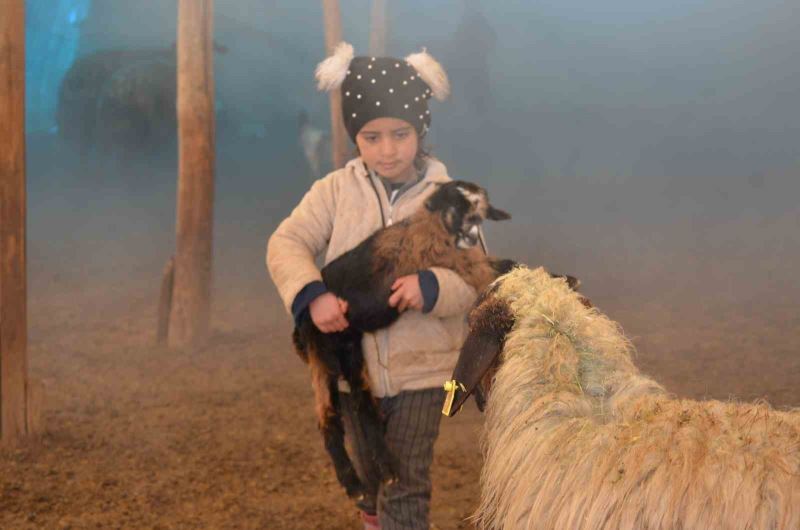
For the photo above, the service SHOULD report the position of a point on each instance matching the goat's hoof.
(389, 479)
(353, 486)
(356, 493)
(386, 471)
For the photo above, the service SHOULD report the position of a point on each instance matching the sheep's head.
(490, 321)
(463, 207)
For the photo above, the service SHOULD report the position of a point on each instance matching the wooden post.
(191, 298)
(378, 29)
(165, 301)
(13, 281)
(333, 35)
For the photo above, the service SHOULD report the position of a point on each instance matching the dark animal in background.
(120, 103)
(136, 110)
(81, 89)
(444, 233)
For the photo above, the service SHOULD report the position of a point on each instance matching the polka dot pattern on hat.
(384, 87)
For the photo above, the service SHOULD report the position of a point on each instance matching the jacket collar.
(435, 172)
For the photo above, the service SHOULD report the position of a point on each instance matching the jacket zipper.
(383, 353)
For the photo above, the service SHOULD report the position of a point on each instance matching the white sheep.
(577, 438)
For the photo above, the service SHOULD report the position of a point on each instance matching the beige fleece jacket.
(338, 212)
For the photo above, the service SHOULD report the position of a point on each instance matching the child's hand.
(327, 312)
(407, 293)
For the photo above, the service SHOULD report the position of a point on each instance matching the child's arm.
(455, 296)
(296, 242)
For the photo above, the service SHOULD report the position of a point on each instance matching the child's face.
(389, 146)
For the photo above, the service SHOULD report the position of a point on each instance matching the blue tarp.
(51, 42)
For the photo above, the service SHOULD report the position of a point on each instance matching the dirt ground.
(136, 436)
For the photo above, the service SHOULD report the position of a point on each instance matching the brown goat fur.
(423, 242)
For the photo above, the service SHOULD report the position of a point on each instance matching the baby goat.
(442, 234)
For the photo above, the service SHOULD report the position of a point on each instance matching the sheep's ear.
(502, 266)
(496, 214)
(477, 355)
(490, 322)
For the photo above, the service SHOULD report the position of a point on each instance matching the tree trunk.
(333, 35)
(13, 281)
(378, 29)
(191, 299)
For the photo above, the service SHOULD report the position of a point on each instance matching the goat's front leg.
(372, 423)
(367, 413)
(326, 394)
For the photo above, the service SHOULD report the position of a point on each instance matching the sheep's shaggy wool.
(576, 437)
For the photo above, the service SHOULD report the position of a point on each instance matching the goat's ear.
(434, 202)
(449, 217)
(496, 214)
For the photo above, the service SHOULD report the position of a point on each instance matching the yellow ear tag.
(450, 387)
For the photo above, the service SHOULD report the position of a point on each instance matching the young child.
(385, 106)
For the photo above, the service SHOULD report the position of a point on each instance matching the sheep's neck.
(561, 352)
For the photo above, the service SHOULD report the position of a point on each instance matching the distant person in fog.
(469, 54)
(471, 51)
(315, 143)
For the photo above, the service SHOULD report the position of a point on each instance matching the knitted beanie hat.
(378, 87)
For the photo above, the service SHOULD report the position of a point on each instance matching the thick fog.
(636, 145)
(649, 149)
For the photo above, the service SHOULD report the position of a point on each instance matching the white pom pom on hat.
(331, 72)
(431, 72)
(401, 90)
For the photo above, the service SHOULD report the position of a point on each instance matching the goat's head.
(463, 207)
(490, 321)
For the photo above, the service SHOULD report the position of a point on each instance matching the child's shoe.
(370, 521)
